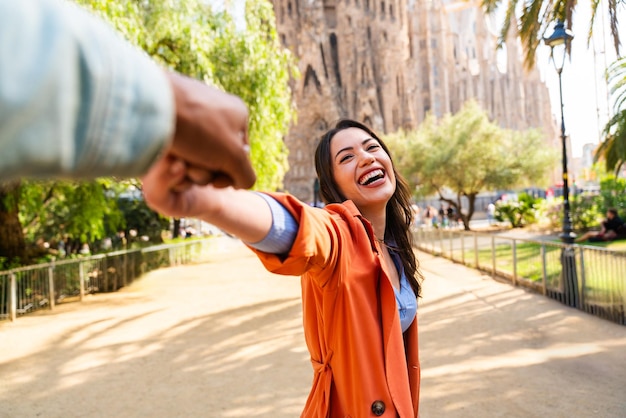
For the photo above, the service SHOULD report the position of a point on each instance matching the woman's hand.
(172, 188)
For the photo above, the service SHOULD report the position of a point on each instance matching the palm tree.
(613, 149)
(536, 17)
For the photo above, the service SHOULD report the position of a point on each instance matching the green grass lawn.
(529, 260)
(604, 273)
(618, 245)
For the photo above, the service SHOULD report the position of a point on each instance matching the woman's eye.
(373, 147)
(345, 158)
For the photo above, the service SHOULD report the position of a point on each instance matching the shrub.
(585, 212)
(519, 213)
(613, 194)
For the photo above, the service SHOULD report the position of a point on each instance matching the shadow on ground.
(225, 340)
(163, 361)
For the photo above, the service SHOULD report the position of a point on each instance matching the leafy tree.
(33, 212)
(72, 211)
(535, 17)
(467, 154)
(191, 38)
(257, 68)
(79, 210)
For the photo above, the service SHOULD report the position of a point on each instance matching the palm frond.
(613, 149)
(614, 24)
(537, 16)
(616, 77)
(594, 11)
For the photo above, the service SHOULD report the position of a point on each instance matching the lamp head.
(559, 43)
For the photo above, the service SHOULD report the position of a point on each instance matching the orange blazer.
(364, 366)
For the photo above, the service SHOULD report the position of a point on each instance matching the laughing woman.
(360, 278)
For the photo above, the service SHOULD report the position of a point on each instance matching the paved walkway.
(224, 339)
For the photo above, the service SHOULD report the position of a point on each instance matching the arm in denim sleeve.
(76, 100)
(281, 236)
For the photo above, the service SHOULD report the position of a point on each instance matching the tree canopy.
(466, 154)
(190, 37)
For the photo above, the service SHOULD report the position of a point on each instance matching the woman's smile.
(373, 177)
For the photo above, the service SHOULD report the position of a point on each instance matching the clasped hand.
(210, 148)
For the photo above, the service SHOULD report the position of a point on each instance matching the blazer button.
(378, 408)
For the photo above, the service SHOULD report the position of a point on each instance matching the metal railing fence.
(595, 284)
(600, 287)
(31, 288)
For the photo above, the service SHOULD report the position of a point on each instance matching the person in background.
(612, 228)
(360, 277)
(78, 101)
(451, 216)
(491, 213)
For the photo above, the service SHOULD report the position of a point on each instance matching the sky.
(585, 98)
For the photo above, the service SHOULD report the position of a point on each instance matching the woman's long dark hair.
(399, 211)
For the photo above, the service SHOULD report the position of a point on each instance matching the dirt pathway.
(224, 339)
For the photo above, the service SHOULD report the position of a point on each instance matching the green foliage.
(585, 212)
(191, 38)
(139, 217)
(617, 83)
(8, 201)
(86, 212)
(257, 68)
(519, 213)
(8, 264)
(613, 194)
(550, 213)
(613, 149)
(467, 154)
(78, 210)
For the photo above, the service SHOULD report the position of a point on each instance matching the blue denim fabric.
(282, 234)
(76, 100)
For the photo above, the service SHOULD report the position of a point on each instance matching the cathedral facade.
(388, 63)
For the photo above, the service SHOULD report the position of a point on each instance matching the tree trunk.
(176, 231)
(12, 244)
(471, 201)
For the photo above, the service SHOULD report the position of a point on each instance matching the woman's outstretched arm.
(242, 213)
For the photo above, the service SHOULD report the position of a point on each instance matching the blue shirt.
(405, 297)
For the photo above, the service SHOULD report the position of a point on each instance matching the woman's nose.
(367, 159)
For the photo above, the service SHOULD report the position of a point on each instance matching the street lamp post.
(559, 42)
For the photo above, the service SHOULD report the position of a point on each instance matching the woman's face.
(362, 169)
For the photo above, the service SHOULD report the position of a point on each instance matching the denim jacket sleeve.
(76, 100)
